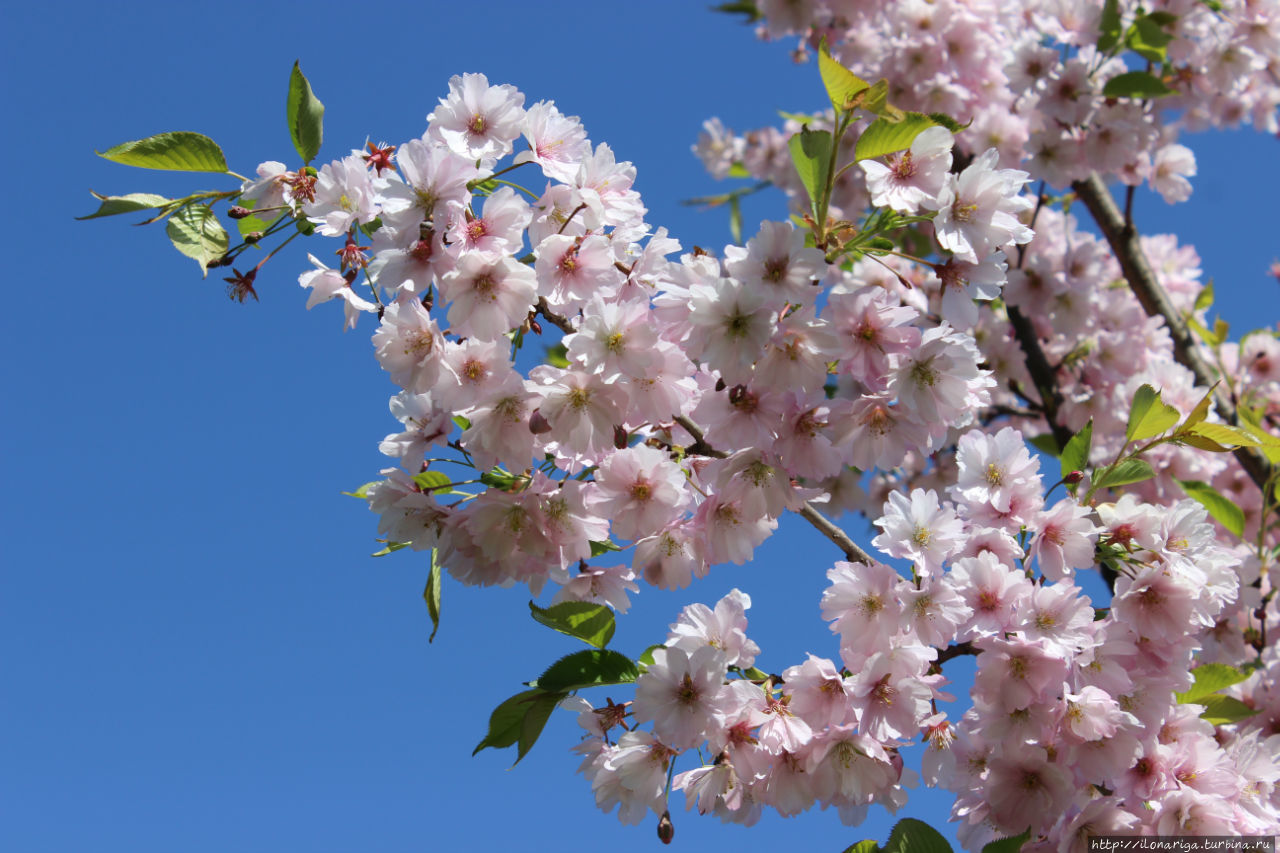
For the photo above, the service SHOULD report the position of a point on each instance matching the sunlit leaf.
(181, 151)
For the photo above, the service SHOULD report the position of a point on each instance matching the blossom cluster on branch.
(896, 347)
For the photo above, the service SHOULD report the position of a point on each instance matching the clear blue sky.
(198, 653)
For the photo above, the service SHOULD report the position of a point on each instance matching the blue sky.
(198, 652)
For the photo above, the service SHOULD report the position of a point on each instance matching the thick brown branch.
(1142, 280)
(965, 648)
(808, 512)
(1042, 374)
(553, 318)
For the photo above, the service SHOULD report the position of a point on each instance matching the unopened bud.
(238, 212)
(535, 326)
(666, 830)
(1073, 478)
(252, 237)
(350, 276)
(620, 437)
(538, 424)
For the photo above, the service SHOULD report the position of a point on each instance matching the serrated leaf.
(1135, 84)
(1007, 845)
(180, 151)
(195, 232)
(1109, 26)
(951, 124)
(1075, 456)
(1045, 443)
(883, 136)
(114, 205)
(599, 548)
(1128, 471)
(1224, 511)
(811, 154)
(915, 836)
(875, 99)
(1204, 299)
(1225, 710)
(1201, 410)
(1149, 415)
(432, 595)
(363, 492)
(1209, 679)
(535, 720)
(841, 83)
(587, 669)
(1201, 443)
(1225, 435)
(305, 115)
(391, 548)
(593, 624)
(867, 845)
(428, 480)
(1147, 38)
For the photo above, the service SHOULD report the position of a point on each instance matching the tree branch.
(808, 512)
(1146, 287)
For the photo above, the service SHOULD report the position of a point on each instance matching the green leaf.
(519, 719)
(251, 223)
(305, 115)
(432, 595)
(463, 422)
(594, 624)
(1201, 410)
(737, 170)
(587, 669)
(113, 205)
(1135, 84)
(841, 83)
(429, 480)
(1223, 434)
(1149, 416)
(1225, 710)
(944, 120)
(1128, 471)
(558, 355)
(363, 492)
(181, 151)
(735, 220)
(600, 548)
(867, 845)
(811, 154)
(391, 548)
(646, 657)
(1109, 28)
(1224, 511)
(1209, 679)
(884, 136)
(743, 7)
(1045, 443)
(195, 232)
(916, 836)
(1075, 456)
(1147, 38)
(1204, 299)
(535, 719)
(1007, 845)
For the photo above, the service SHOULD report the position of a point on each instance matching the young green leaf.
(1223, 434)
(1201, 410)
(1007, 845)
(1225, 710)
(594, 624)
(587, 669)
(1147, 38)
(1109, 28)
(535, 719)
(841, 83)
(735, 220)
(1204, 299)
(1209, 678)
(866, 845)
(884, 136)
(1135, 84)
(432, 595)
(1045, 443)
(1075, 456)
(195, 232)
(428, 480)
(602, 547)
(113, 205)
(391, 548)
(811, 154)
(915, 836)
(1224, 511)
(519, 719)
(181, 151)
(247, 225)
(1149, 415)
(944, 120)
(363, 492)
(305, 115)
(1128, 471)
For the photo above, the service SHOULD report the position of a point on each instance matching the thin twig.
(1127, 247)
(808, 512)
